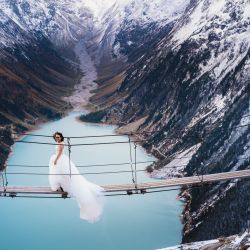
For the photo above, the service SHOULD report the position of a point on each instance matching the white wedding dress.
(89, 196)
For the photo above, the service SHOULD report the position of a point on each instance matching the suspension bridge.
(139, 188)
(116, 189)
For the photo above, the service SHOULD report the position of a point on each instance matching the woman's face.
(58, 138)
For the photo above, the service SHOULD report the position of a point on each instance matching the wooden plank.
(146, 185)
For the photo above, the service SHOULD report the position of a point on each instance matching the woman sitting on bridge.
(64, 175)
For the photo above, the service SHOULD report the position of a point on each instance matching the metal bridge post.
(4, 180)
(131, 159)
(69, 149)
(135, 146)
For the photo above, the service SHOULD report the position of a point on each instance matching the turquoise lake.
(136, 222)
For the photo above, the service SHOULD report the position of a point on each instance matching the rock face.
(193, 86)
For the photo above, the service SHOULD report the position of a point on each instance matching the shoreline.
(39, 122)
(119, 133)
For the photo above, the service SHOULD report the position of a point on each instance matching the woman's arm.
(59, 153)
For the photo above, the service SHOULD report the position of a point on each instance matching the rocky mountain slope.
(33, 79)
(235, 242)
(192, 89)
(34, 76)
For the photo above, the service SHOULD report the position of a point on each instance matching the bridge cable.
(83, 166)
(77, 144)
(88, 136)
(85, 173)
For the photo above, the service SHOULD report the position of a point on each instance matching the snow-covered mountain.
(66, 21)
(192, 87)
(59, 21)
(184, 74)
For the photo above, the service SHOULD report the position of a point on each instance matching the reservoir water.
(136, 222)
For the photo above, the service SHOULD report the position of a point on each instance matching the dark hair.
(58, 133)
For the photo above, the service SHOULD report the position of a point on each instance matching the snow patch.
(177, 165)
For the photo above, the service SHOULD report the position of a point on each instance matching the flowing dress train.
(89, 196)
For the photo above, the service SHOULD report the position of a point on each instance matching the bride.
(89, 196)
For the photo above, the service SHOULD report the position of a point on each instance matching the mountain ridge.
(186, 80)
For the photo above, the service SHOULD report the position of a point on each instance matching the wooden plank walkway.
(166, 183)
